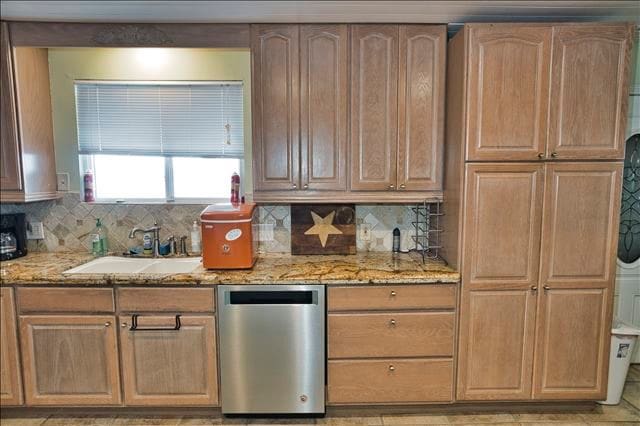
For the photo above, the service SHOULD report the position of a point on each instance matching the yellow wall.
(69, 64)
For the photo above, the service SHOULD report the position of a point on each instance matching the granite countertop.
(363, 268)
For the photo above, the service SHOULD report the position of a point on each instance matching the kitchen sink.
(124, 265)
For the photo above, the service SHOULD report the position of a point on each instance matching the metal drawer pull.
(540, 155)
(393, 293)
(107, 324)
(392, 323)
(392, 368)
(534, 288)
(546, 288)
(134, 325)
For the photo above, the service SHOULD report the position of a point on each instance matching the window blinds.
(173, 119)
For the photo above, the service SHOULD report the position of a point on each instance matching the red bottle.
(235, 188)
(88, 187)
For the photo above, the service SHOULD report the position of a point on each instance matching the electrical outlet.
(35, 231)
(365, 232)
(265, 232)
(63, 181)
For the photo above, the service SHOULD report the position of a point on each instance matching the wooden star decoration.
(323, 227)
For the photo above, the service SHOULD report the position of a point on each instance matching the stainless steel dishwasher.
(272, 348)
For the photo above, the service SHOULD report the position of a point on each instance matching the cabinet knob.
(392, 186)
(554, 154)
(124, 325)
(306, 186)
(392, 323)
(534, 288)
(546, 288)
(541, 155)
(402, 186)
(393, 293)
(294, 186)
(392, 368)
(107, 324)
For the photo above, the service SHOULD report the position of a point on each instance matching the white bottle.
(195, 238)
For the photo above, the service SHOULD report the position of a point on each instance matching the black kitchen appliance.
(13, 236)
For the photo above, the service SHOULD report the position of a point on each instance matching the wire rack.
(428, 228)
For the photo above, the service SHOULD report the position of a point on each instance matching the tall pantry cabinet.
(535, 122)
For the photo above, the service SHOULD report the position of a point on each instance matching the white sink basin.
(124, 265)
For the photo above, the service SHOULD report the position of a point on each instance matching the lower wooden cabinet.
(573, 341)
(70, 359)
(169, 367)
(390, 381)
(10, 382)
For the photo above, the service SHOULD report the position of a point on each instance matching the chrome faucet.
(155, 229)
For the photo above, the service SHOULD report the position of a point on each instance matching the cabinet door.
(580, 224)
(572, 343)
(323, 106)
(421, 102)
(508, 92)
(502, 225)
(590, 86)
(10, 382)
(495, 357)
(374, 107)
(276, 107)
(70, 360)
(169, 368)
(9, 146)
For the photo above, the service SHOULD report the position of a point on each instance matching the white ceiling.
(319, 11)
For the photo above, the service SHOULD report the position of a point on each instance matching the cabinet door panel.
(70, 360)
(580, 224)
(10, 378)
(572, 344)
(508, 92)
(323, 106)
(170, 368)
(590, 86)
(9, 157)
(421, 102)
(374, 106)
(502, 225)
(496, 345)
(276, 106)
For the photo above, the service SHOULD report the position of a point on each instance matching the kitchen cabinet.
(590, 87)
(275, 107)
(544, 91)
(169, 367)
(374, 133)
(70, 359)
(10, 377)
(27, 161)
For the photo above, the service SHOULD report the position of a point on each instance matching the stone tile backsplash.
(68, 223)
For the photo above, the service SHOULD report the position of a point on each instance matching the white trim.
(226, 221)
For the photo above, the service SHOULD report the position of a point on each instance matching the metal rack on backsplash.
(428, 228)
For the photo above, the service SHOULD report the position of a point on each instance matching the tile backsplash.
(68, 223)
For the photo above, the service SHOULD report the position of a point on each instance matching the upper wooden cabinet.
(542, 91)
(590, 88)
(334, 135)
(70, 359)
(10, 377)
(27, 163)
(508, 78)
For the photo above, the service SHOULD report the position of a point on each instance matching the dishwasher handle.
(271, 297)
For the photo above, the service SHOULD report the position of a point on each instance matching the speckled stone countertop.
(363, 268)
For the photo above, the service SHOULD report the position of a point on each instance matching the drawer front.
(173, 299)
(394, 334)
(437, 296)
(65, 300)
(390, 381)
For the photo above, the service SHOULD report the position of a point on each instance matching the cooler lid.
(228, 212)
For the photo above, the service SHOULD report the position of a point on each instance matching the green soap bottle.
(99, 240)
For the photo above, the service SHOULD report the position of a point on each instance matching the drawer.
(171, 299)
(393, 334)
(65, 300)
(437, 296)
(391, 381)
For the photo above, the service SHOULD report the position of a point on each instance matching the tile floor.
(627, 413)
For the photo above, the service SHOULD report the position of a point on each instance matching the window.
(153, 141)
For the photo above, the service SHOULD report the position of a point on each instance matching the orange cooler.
(229, 236)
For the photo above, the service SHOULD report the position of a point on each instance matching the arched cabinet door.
(508, 92)
(276, 107)
(590, 86)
